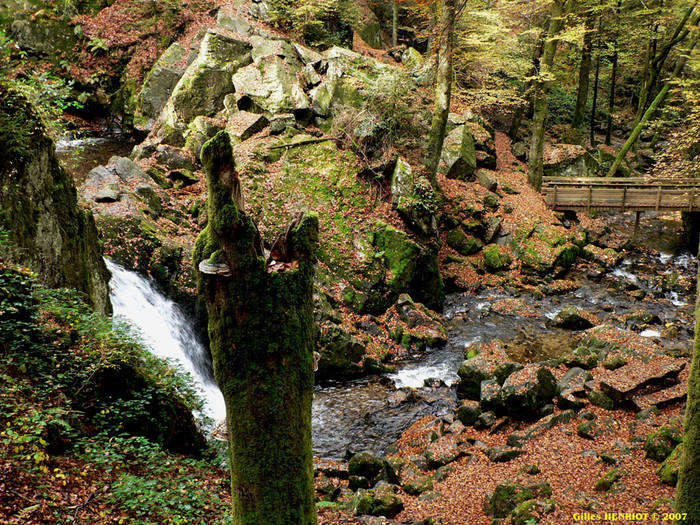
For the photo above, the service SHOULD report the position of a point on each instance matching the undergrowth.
(85, 413)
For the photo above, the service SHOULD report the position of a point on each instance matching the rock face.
(40, 211)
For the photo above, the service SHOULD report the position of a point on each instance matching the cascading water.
(165, 329)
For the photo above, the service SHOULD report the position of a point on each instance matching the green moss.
(605, 483)
(668, 470)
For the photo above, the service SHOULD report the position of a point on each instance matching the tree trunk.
(658, 101)
(527, 92)
(611, 100)
(261, 334)
(594, 104)
(443, 92)
(688, 489)
(584, 74)
(541, 88)
(394, 23)
(658, 61)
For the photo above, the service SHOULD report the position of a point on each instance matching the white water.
(165, 329)
(439, 364)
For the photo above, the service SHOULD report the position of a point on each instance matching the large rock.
(57, 239)
(377, 502)
(413, 199)
(568, 160)
(458, 158)
(508, 495)
(526, 391)
(412, 268)
(161, 80)
(340, 353)
(201, 90)
(272, 85)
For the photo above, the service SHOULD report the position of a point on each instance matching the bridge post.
(637, 215)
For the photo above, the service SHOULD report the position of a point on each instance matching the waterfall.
(166, 331)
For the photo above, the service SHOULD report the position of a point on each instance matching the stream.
(371, 413)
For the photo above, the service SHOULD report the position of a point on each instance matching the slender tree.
(613, 78)
(541, 89)
(656, 103)
(657, 58)
(443, 90)
(261, 334)
(594, 104)
(584, 74)
(394, 23)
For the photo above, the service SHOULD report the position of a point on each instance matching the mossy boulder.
(411, 268)
(472, 372)
(271, 84)
(508, 495)
(413, 198)
(462, 243)
(668, 470)
(418, 485)
(496, 258)
(458, 158)
(572, 318)
(201, 89)
(605, 483)
(526, 391)
(660, 444)
(377, 502)
(162, 79)
(340, 352)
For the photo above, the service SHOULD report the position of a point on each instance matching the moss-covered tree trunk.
(443, 92)
(688, 489)
(541, 89)
(262, 338)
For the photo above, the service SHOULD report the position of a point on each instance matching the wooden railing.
(623, 194)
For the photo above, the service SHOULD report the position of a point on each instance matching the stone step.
(622, 384)
(661, 398)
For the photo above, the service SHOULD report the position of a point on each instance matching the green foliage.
(560, 106)
(321, 22)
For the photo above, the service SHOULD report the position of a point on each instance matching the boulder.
(572, 318)
(200, 130)
(260, 9)
(340, 352)
(485, 179)
(668, 470)
(526, 391)
(418, 485)
(568, 160)
(279, 123)
(366, 465)
(412, 59)
(572, 388)
(232, 21)
(201, 90)
(496, 258)
(660, 444)
(508, 495)
(377, 502)
(468, 412)
(161, 80)
(412, 268)
(272, 84)
(462, 243)
(175, 158)
(416, 315)
(458, 158)
(472, 372)
(413, 199)
(242, 125)
(441, 452)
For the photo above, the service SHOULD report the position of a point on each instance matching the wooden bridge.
(621, 194)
